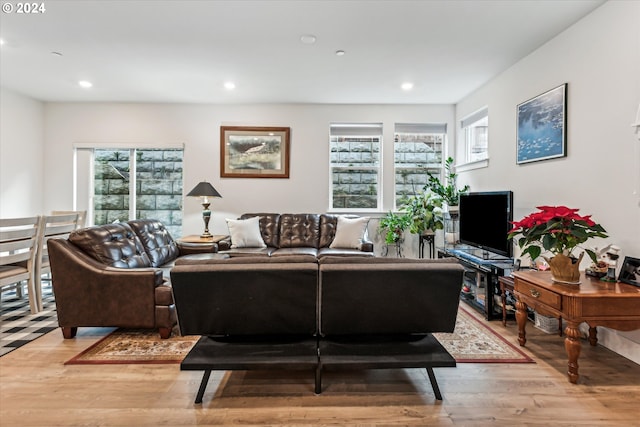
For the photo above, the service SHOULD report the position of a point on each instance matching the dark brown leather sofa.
(316, 314)
(112, 275)
(297, 234)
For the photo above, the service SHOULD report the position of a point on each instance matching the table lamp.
(204, 190)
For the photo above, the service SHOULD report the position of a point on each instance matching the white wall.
(21, 159)
(599, 58)
(198, 127)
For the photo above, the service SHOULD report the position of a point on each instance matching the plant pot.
(565, 269)
(452, 225)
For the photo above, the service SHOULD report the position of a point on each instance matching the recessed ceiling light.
(407, 86)
(339, 52)
(229, 85)
(1, 42)
(85, 84)
(308, 39)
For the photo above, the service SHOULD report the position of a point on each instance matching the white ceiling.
(184, 51)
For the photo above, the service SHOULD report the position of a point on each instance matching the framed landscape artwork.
(254, 152)
(541, 130)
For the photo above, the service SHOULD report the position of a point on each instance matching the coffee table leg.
(203, 385)
(572, 347)
(521, 318)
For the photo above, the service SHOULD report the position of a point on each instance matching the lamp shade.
(204, 189)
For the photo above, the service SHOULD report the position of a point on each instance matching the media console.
(482, 270)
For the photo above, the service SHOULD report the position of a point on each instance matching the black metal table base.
(318, 355)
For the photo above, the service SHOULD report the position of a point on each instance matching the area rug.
(130, 346)
(18, 326)
(474, 342)
(471, 342)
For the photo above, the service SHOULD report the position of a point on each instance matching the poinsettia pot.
(564, 268)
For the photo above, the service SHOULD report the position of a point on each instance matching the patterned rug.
(131, 346)
(471, 342)
(18, 326)
(474, 342)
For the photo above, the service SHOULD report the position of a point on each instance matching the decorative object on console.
(254, 152)
(245, 233)
(205, 190)
(559, 230)
(541, 129)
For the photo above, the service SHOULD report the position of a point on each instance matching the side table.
(194, 238)
(430, 239)
(200, 243)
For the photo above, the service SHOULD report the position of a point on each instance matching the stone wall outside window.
(158, 186)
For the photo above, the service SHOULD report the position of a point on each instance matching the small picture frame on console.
(630, 272)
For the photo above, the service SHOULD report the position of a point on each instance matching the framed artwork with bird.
(254, 152)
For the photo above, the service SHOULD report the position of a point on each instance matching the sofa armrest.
(224, 245)
(89, 293)
(366, 246)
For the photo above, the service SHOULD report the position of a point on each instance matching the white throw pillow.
(350, 232)
(245, 233)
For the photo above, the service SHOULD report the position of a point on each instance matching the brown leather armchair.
(112, 275)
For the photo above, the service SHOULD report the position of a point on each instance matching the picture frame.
(542, 126)
(630, 271)
(254, 152)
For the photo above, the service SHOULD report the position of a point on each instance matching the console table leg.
(434, 384)
(593, 336)
(572, 347)
(203, 385)
(521, 318)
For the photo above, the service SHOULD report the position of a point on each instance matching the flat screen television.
(485, 220)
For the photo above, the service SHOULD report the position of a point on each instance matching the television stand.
(481, 287)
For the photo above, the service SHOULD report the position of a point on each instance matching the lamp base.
(206, 235)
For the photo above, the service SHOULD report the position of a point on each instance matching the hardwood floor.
(36, 389)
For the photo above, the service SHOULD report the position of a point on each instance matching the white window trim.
(478, 164)
(467, 120)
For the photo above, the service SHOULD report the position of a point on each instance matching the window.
(132, 183)
(417, 150)
(475, 131)
(355, 166)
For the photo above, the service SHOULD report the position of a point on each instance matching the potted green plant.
(559, 230)
(448, 191)
(393, 226)
(425, 212)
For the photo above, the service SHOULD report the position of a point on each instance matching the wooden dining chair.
(18, 249)
(51, 226)
(82, 216)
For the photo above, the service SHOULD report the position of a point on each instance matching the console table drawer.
(545, 296)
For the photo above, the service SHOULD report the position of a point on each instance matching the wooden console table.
(613, 305)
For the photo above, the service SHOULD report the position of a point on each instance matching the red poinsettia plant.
(557, 229)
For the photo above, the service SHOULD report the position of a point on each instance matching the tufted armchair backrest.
(157, 241)
(269, 227)
(115, 245)
(299, 230)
